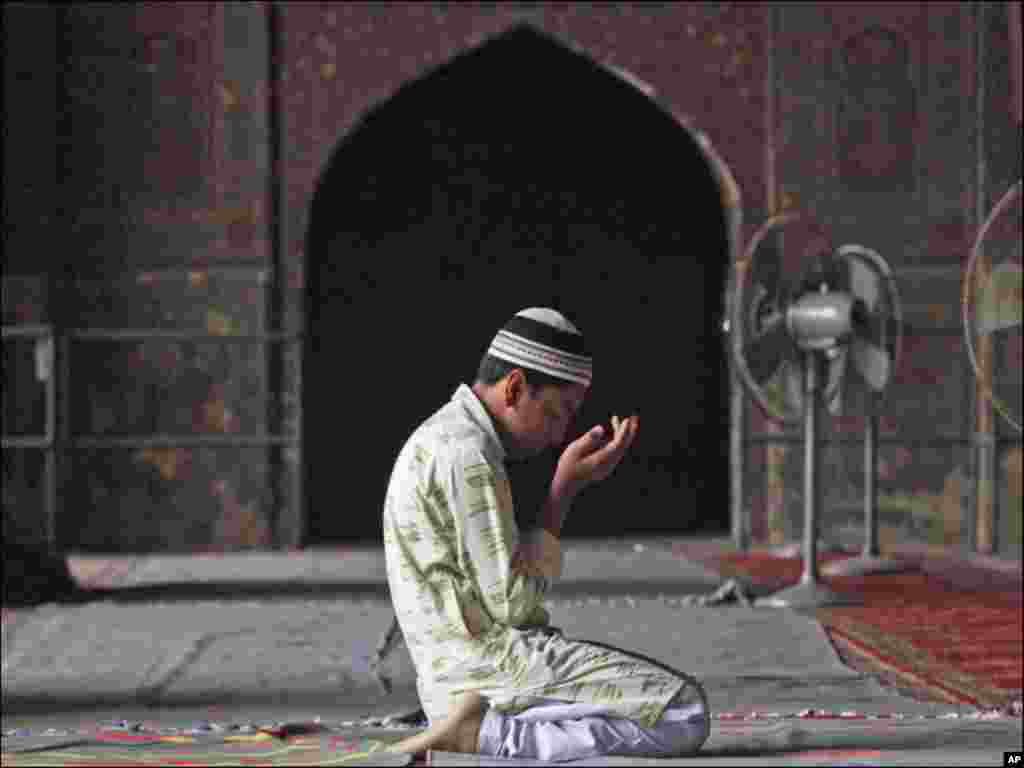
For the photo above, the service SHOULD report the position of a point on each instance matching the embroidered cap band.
(543, 340)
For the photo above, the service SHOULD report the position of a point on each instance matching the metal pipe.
(737, 460)
(50, 439)
(60, 462)
(241, 264)
(26, 442)
(812, 467)
(983, 526)
(792, 437)
(118, 334)
(739, 516)
(737, 445)
(182, 441)
(298, 535)
(27, 331)
(50, 432)
(871, 548)
(771, 101)
(50, 495)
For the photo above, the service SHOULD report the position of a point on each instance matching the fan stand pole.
(870, 560)
(809, 592)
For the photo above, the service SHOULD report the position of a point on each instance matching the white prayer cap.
(543, 340)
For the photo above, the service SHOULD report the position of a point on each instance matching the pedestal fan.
(991, 302)
(991, 305)
(797, 344)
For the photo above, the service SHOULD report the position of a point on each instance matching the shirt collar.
(480, 416)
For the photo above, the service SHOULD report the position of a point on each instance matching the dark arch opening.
(520, 173)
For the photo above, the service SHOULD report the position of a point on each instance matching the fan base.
(806, 594)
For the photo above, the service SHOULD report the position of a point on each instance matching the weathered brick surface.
(702, 62)
(866, 114)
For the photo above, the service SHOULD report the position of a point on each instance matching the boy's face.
(540, 419)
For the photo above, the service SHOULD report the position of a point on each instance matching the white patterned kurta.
(469, 621)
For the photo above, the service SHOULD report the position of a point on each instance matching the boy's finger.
(628, 434)
(628, 428)
(619, 445)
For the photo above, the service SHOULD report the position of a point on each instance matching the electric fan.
(991, 305)
(793, 344)
(883, 318)
(768, 360)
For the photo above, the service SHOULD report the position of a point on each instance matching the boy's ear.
(515, 387)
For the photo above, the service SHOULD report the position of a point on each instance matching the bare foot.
(459, 732)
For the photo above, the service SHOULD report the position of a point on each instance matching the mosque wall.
(138, 170)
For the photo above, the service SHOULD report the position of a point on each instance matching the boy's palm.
(592, 457)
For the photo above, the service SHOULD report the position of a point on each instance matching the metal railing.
(58, 442)
(46, 442)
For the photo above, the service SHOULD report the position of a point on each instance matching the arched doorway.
(520, 173)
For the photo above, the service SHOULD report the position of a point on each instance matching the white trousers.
(559, 731)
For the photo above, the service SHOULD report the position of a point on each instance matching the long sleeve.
(489, 538)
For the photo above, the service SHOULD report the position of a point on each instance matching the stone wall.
(138, 167)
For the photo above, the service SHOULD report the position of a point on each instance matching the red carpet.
(966, 642)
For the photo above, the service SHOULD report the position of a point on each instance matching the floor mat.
(808, 737)
(964, 642)
(726, 641)
(801, 738)
(280, 744)
(821, 741)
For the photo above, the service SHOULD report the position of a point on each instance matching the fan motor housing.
(820, 320)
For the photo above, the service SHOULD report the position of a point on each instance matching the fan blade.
(880, 330)
(872, 363)
(999, 305)
(768, 264)
(865, 283)
(765, 354)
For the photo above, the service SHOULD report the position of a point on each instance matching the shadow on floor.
(328, 590)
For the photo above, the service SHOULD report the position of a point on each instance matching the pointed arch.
(519, 173)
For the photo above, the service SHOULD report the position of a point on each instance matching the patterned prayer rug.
(211, 744)
(964, 643)
(801, 736)
(821, 738)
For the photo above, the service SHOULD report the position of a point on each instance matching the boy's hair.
(493, 369)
